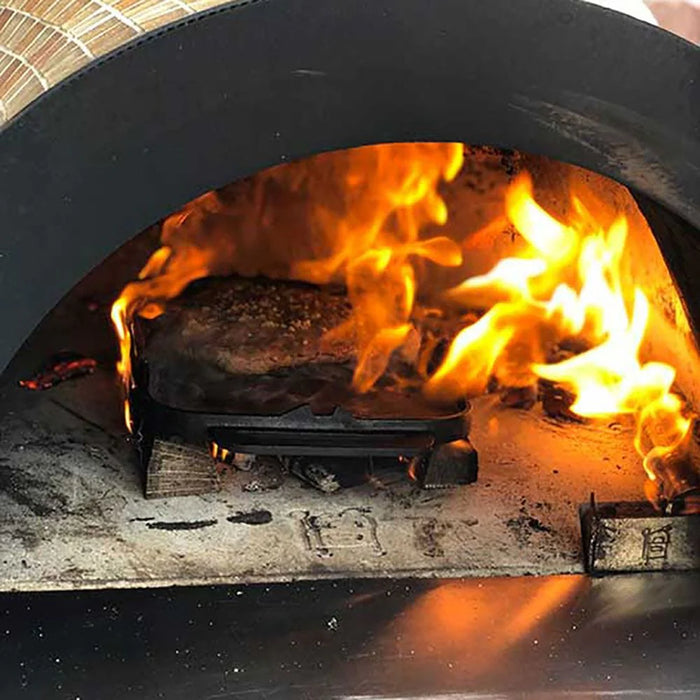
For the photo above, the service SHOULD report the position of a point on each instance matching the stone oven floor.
(72, 513)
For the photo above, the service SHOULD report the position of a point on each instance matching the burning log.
(677, 483)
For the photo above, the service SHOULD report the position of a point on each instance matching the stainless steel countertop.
(565, 636)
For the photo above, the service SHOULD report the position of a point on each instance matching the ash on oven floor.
(72, 512)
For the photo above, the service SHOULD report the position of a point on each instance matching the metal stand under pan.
(433, 443)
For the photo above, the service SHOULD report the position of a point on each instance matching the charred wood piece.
(452, 464)
(557, 402)
(331, 475)
(523, 397)
(263, 473)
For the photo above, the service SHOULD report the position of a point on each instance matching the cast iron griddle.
(241, 362)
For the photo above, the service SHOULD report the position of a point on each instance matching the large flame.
(567, 283)
(362, 211)
(359, 217)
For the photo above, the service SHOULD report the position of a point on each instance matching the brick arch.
(55, 39)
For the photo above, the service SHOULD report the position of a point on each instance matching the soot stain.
(40, 497)
(429, 535)
(181, 525)
(253, 517)
(524, 526)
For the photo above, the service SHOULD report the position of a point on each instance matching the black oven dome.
(231, 91)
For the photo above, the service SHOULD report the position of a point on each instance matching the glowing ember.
(364, 211)
(59, 368)
(220, 454)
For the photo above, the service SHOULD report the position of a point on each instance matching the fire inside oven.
(314, 354)
(361, 309)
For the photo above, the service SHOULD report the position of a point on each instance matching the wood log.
(255, 346)
(179, 470)
(202, 352)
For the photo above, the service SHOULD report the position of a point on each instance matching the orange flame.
(567, 283)
(359, 217)
(220, 454)
(363, 210)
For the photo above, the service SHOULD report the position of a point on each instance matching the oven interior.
(404, 358)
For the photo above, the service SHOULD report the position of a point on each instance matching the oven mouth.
(331, 307)
(72, 475)
(365, 482)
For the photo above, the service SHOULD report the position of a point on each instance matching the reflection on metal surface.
(629, 636)
(494, 618)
